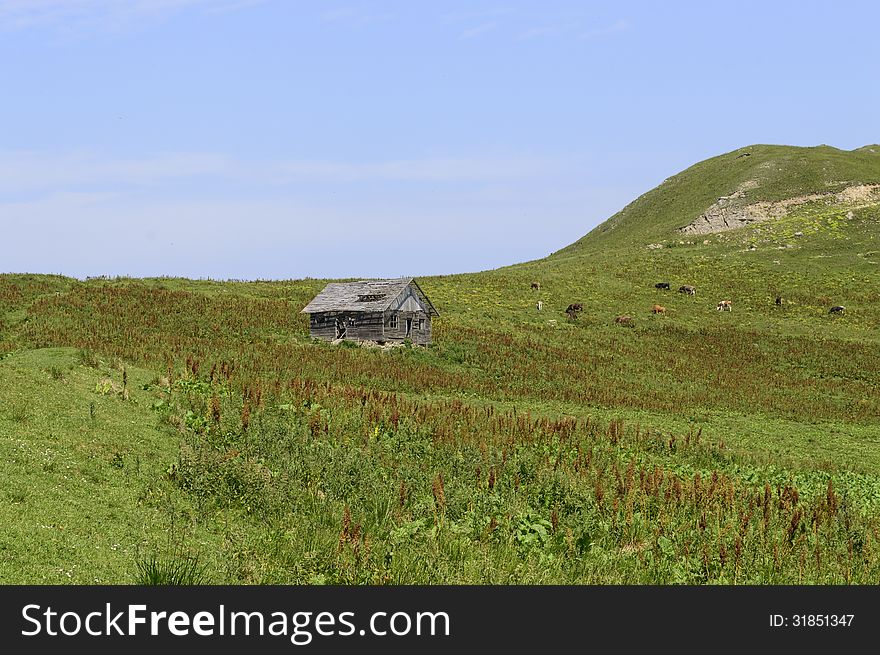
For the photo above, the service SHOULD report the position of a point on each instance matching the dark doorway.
(340, 329)
(408, 327)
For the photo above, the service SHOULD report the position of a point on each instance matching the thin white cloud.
(349, 15)
(86, 214)
(25, 172)
(464, 169)
(618, 26)
(234, 5)
(340, 14)
(30, 172)
(85, 15)
(525, 25)
(538, 32)
(470, 16)
(479, 30)
(282, 237)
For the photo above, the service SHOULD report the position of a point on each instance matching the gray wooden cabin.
(372, 310)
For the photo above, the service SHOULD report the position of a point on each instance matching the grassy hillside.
(769, 173)
(85, 497)
(693, 446)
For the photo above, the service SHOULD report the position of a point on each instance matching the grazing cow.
(573, 310)
(658, 309)
(624, 320)
(724, 305)
(837, 309)
(662, 285)
(540, 305)
(778, 301)
(688, 289)
(536, 286)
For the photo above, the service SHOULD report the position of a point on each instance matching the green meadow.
(172, 430)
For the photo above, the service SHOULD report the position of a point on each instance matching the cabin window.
(392, 323)
(420, 325)
(351, 320)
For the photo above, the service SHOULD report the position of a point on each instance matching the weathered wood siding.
(368, 327)
(322, 326)
(359, 326)
(408, 306)
(420, 336)
(372, 326)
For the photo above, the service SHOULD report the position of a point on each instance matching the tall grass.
(178, 569)
(355, 486)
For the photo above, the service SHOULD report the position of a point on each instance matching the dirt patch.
(729, 213)
(867, 193)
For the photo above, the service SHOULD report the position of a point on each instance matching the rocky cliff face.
(731, 212)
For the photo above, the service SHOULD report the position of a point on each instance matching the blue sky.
(282, 139)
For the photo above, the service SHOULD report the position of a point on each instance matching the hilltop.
(693, 446)
(773, 180)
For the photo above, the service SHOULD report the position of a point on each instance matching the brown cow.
(658, 309)
(688, 289)
(573, 309)
(724, 305)
(624, 320)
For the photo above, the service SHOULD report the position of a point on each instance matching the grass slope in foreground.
(696, 446)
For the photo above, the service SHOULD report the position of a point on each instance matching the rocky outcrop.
(730, 213)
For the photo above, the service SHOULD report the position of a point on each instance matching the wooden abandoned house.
(372, 310)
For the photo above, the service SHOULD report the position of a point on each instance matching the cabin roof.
(365, 296)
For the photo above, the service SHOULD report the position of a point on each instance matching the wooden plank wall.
(369, 326)
(422, 337)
